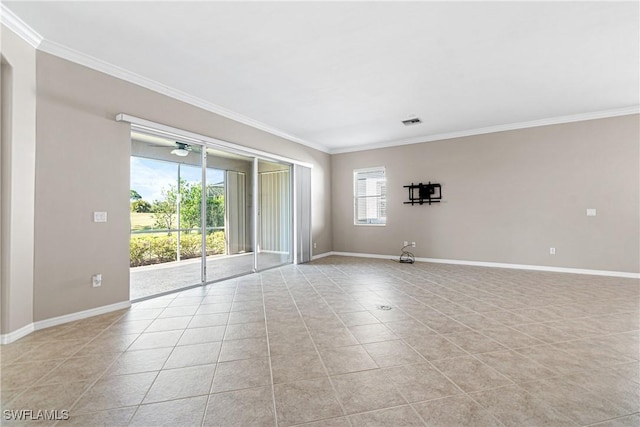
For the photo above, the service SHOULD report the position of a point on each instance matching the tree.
(190, 205)
(141, 206)
(164, 211)
(191, 195)
(215, 205)
(215, 211)
(163, 214)
(134, 195)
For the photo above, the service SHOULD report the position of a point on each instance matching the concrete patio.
(155, 279)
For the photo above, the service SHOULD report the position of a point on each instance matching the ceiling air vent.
(411, 122)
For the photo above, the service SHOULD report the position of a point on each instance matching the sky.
(149, 177)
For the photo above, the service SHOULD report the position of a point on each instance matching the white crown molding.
(28, 34)
(493, 129)
(622, 274)
(77, 57)
(18, 26)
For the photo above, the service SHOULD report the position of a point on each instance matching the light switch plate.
(99, 217)
(591, 212)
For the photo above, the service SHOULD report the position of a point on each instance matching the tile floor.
(307, 345)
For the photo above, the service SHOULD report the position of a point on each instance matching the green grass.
(141, 220)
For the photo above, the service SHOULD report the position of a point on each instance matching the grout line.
(98, 377)
(398, 284)
(435, 368)
(509, 349)
(382, 370)
(597, 423)
(266, 326)
(315, 346)
(165, 362)
(215, 370)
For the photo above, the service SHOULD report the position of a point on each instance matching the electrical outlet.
(405, 243)
(552, 251)
(96, 280)
(413, 244)
(315, 245)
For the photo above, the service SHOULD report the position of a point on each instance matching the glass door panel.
(189, 221)
(274, 215)
(229, 215)
(166, 237)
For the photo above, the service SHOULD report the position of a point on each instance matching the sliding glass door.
(189, 221)
(229, 215)
(201, 214)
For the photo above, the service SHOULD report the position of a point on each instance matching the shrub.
(155, 249)
(216, 243)
(163, 248)
(139, 251)
(190, 245)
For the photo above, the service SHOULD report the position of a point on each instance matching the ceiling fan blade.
(158, 146)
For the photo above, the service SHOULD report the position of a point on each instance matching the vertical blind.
(275, 211)
(236, 212)
(302, 178)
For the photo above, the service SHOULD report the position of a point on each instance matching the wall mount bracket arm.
(424, 193)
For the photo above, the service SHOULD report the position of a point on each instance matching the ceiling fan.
(181, 149)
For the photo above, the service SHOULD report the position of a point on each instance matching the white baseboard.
(322, 255)
(361, 255)
(623, 274)
(17, 334)
(54, 321)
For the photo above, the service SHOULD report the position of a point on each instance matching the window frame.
(383, 196)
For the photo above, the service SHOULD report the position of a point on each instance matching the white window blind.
(370, 196)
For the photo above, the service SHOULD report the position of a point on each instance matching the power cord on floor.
(406, 257)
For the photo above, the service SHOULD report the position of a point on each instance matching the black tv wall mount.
(419, 194)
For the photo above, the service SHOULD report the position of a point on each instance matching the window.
(370, 196)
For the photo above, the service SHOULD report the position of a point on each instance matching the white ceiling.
(343, 75)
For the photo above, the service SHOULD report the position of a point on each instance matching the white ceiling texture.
(341, 76)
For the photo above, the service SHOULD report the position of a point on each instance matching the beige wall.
(508, 197)
(18, 148)
(83, 166)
